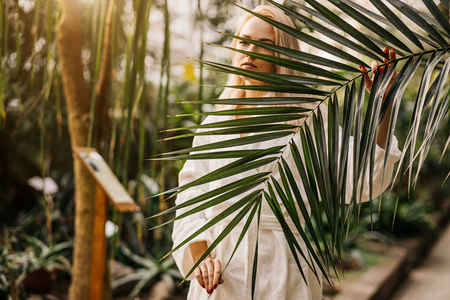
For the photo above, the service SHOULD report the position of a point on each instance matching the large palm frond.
(320, 157)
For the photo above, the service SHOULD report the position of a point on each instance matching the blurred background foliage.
(150, 75)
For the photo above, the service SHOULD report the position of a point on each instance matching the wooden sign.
(104, 177)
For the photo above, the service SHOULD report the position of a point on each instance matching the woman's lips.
(248, 65)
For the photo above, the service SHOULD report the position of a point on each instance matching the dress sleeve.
(378, 183)
(185, 227)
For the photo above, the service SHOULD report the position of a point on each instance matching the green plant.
(37, 255)
(412, 217)
(22, 255)
(149, 270)
(321, 156)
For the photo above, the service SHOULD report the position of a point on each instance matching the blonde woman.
(278, 276)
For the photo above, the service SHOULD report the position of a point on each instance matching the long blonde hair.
(281, 39)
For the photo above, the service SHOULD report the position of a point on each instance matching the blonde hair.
(281, 39)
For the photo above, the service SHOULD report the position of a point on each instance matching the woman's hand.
(369, 81)
(384, 125)
(208, 274)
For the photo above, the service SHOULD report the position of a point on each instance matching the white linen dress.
(278, 277)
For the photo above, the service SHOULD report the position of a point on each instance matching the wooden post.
(108, 189)
(98, 246)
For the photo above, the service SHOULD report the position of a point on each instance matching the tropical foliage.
(141, 88)
(136, 95)
(322, 159)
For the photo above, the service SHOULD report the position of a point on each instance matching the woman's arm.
(384, 125)
(190, 253)
(382, 171)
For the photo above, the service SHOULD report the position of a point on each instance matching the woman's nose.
(253, 48)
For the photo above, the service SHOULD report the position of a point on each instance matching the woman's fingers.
(367, 79)
(375, 67)
(392, 56)
(209, 283)
(217, 273)
(204, 274)
(386, 52)
(198, 276)
(208, 274)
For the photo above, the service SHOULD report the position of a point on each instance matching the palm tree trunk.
(77, 95)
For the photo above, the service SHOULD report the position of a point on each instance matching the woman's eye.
(243, 42)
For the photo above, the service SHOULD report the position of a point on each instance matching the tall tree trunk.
(102, 121)
(77, 95)
(104, 79)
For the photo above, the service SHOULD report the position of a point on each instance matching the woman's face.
(255, 29)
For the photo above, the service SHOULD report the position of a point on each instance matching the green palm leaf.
(390, 15)
(313, 163)
(330, 33)
(411, 14)
(310, 40)
(260, 101)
